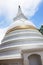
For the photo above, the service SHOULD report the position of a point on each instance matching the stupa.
(22, 43)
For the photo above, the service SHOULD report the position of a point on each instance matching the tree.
(41, 29)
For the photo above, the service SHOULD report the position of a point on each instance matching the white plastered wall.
(26, 55)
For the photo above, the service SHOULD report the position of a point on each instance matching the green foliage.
(41, 29)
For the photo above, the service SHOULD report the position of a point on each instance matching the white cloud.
(9, 7)
(30, 6)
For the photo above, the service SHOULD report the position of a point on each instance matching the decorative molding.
(21, 27)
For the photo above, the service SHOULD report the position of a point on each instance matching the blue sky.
(32, 9)
(38, 16)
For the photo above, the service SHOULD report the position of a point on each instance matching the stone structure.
(22, 44)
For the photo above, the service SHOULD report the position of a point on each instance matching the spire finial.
(19, 6)
(19, 10)
(20, 14)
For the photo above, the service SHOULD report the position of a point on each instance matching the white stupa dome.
(21, 35)
(21, 26)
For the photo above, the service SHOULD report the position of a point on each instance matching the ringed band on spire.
(21, 28)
